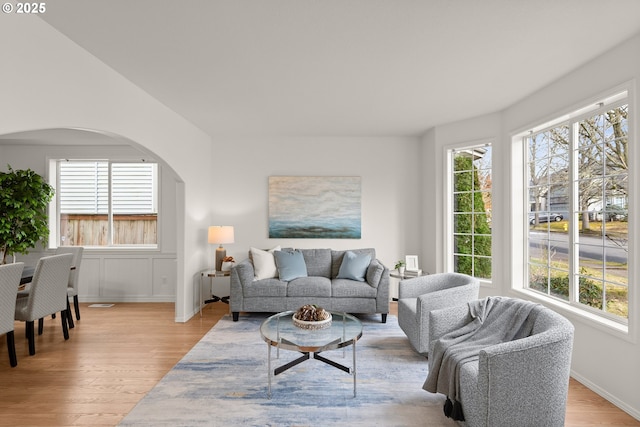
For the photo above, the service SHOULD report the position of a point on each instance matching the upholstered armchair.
(47, 295)
(9, 283)
(419, 295)
(72, 288)
(522, 382)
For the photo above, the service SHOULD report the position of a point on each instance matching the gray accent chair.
(420, 295)
(523, 382)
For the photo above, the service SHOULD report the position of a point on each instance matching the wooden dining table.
(27, 274)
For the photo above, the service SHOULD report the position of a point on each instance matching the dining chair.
(47, 295)
(72, 288)
(9, 282)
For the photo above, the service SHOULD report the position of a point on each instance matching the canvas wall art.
(315, 207)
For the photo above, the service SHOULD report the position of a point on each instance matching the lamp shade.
(219, 234)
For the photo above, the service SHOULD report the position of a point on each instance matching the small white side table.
(216, 293)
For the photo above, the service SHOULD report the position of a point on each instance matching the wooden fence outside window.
(92, 230)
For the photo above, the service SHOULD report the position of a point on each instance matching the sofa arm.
(241, 274)
(382, 297)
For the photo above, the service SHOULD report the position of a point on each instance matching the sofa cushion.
(309, 287)
(318, 262)
(264, 264)
(346, 288)
(374, 273)
(265, 288)
(354, 266)
(290, 265)
(336, 259)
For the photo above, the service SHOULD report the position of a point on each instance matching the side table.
(212, 275)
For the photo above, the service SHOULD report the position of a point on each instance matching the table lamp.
(219, 234)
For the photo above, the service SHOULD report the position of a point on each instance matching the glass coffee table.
(280, 332)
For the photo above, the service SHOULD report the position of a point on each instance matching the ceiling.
(341, 67)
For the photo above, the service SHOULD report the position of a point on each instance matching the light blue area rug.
(222, 381)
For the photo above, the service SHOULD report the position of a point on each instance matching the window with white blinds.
(84, 187)
(104, 203)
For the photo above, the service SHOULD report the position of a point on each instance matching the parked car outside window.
(545, 217)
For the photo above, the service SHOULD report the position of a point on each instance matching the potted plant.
(400, 264)
(24, 196)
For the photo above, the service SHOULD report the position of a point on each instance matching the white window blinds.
(84, 187)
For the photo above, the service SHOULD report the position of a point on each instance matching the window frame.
(449, 223)
(623, 94)
(54, 206)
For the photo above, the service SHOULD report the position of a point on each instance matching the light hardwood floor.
(116, 355)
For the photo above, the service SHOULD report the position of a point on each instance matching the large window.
(577, 174)
(102, 203)
(470, 213)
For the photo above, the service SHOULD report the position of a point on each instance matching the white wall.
(603, 360)
(434, 145)
(108, 275)
(50, 82)
(389, 167)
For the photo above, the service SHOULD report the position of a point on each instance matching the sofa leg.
(384, 317)
(236, 314)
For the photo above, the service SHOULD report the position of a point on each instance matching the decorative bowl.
(317, 324)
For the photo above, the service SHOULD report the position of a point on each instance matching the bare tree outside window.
(578, 178)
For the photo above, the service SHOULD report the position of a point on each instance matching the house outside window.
(469, 238)
(577, 181)
(102, 204)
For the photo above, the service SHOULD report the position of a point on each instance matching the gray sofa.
(522, 382)
(321, 285)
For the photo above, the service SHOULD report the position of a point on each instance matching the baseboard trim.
(635, 413)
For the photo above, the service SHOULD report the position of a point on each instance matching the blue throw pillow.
(354, 266)
(290, 265)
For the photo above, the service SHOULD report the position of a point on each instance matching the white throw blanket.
(494, 320)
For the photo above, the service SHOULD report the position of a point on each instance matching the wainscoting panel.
(110, 276)
(164, 277)
(89, 279)
(126, 278)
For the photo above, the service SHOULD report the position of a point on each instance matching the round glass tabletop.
(279, 331)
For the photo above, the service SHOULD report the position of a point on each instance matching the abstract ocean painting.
(315, 207)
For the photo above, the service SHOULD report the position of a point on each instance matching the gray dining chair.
(10, 275)
(47, 295)
(72, 288)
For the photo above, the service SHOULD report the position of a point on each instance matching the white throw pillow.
(264, 263)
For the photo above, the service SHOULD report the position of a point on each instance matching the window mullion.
(110, 205)
(574, 220)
